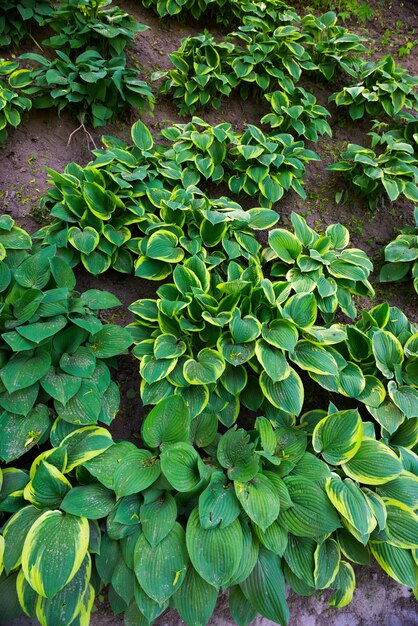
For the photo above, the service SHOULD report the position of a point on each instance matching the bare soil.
(44, 139)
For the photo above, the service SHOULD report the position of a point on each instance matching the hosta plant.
(268, 165)
(193, 511)
(201, 75)
(199, 149)
(401, 256)
(120, 213)
(404, 128)
(383, 89)
(227, 12)
(49, 540)
(93, 88)
(18, 16)
(236, 340)
(331, 46)
(297, 111)
(251, 59)
(91, 24)
(383, 372)
(322, 265)
(241, 509)
(55, 350)
(12, 105)
(167, 229)
(386, 170)
(269, 59)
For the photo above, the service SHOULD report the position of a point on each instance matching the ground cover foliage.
(280, 442)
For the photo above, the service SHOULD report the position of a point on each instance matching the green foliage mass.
(12, 105)
(401, 256)
(239, 334)
(86, 25)
(55, 350)
(18, 16)
(258, 58)
(388, 169)
(94, 88)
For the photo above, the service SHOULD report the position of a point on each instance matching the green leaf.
(167, 346)
(281, 334)
(85, 240)
(352, 504)
(167, 423)
(387, 351)
(196, 599)
(208, 367)
(405, 398)
(338, 436)
(314, 358)
(161, 569)
(218, 504)
(54, 549)
(300, 557)
(23, 370)
(85, 444)
(60, 386)
(110, 341)
(103, 466)
(401, 524)
(343, 585)
(287, 394)
(158, 518)
(311, 514)
(66, 605)
(242, 612)
(97, 299)
(20, 433)
(244, 329)
(182, 466)
(236, 454)
(216, 552)
(301, 309)
(91, 501)
(327, 563)
(285, 244)
(396, 562)
(135, 472)
(80, 363)
(141, 136)
(373, 464)
(259, 500)
(265, 588)
(273, 360)
(84, 407)
(162, 245)
(404, 489)
(47, 487)
(14, 533)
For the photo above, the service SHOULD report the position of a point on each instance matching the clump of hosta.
(322, 265)
(130, 211)
(12, 105)
(383, 89)
(331, 46)
(296, 111)
(17, 18)
(194, 511)
(388, 169)
(401, 256)
(55, 350)
(230, 334)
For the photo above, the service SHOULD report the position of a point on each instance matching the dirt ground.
(45, 139)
